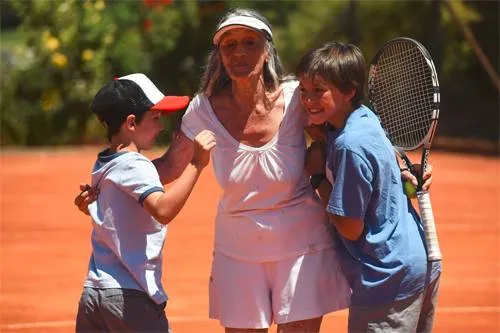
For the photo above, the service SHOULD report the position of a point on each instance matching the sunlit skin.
(137, 136)
(243, 53)
(324, 102)
(148, 129)
(249, 113)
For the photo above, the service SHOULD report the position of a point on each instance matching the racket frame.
(427, 139)
(423, 197)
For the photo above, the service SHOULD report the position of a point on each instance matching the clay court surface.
(45, 244)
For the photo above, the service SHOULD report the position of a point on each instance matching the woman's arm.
(171, 164)
(165, 206)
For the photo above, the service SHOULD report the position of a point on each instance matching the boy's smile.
(323, 101)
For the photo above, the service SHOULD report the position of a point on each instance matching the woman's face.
(243, 53)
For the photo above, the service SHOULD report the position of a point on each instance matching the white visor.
(242, 22)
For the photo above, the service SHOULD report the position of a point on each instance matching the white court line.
(66, 323)
(469, 309)
(173, 319)
(42, 324)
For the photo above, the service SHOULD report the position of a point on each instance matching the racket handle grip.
(431, 238)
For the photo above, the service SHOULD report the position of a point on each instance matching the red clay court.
(45, 244)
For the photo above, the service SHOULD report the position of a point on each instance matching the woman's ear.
(268, 56)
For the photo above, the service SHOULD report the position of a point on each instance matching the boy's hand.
(407, 176)
(86, 196)
(316, 158)
(204, 142)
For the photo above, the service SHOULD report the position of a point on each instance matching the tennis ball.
(410, 189)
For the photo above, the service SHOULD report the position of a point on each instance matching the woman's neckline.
(241, 145)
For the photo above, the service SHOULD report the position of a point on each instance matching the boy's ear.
(350, 94)
(104, 124)
(130, 122)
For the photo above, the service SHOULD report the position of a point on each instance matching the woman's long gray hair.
(215, 76)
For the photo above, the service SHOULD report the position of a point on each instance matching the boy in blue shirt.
(123, 290)
(394, 287)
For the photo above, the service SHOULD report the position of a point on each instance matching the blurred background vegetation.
(55, 54)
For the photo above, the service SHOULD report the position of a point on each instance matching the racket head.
(403, 89)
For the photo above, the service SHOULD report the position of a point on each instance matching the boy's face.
(148, 129)
(323, 102)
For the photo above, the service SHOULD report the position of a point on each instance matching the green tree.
(72, 49)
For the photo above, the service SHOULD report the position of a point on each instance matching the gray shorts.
(411, 315)
(119, 310)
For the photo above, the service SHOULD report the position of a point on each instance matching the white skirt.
(254, 295)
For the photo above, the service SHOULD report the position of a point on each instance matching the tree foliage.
(74, 47)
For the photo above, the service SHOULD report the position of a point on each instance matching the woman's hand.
(317, 132)
(86, 196)
(316, 158)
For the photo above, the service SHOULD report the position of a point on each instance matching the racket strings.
(403, 84)
(405, 105)
(407, 124)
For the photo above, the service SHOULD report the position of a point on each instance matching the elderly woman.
(273, 258)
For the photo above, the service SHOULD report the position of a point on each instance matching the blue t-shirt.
(388, 262)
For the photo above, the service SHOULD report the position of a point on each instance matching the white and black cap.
(133, 94)
(242, 21)
(155, 96)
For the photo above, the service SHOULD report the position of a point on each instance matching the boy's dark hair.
(118, 99)
(341, 64)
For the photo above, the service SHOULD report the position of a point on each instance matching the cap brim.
(171, 103)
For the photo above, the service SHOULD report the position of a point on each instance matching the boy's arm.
(171, 164)
(348, 227)
(83, 198)
(164, 207)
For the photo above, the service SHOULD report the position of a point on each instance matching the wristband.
(316, 179)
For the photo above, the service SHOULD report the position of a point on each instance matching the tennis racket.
(404, 92)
